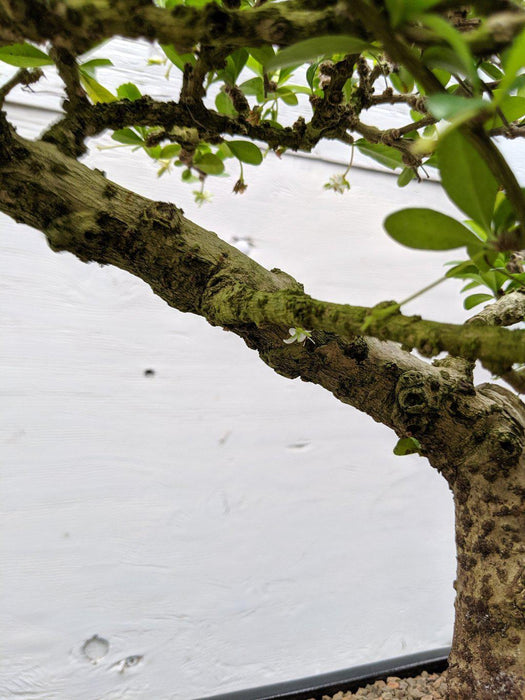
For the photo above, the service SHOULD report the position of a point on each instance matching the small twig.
(22, 77)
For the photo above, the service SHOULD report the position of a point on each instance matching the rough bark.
(474, 436)
(488, 652)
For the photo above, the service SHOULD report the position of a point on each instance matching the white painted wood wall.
(219, 526)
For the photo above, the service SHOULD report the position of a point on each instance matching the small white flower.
(299, 335)
(337, 183)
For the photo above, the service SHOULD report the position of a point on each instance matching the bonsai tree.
(458, 73)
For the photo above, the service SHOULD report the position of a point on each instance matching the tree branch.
(68, 70)
(81, 212)
(22, 77)
(226, 299)
(506, 311)
(207, 124)
(83, 24)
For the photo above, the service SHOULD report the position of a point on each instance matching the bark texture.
(474, 436)
(488, 654)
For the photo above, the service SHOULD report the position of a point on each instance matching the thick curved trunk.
(487, 661)
(474, 436)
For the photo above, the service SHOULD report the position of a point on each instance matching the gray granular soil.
(427, 686)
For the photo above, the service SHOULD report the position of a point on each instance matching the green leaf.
(24, 56)
(210, 164)
(386, 155)
(443, 58)
(253, 86)
(170, 151)
(235, 62)
(471, 285)
(407, 446)
(287, 97)
(95, 91)
(90, 67)
(311, 49)
(178, 59)
(129, 91)
(491, 70)
(153, 151)
(402, 80)
(457, 42)
(224, 105)
(462, 270)
(262, 54)
(187, 176)
(512, 106)
(127, 136)
(466, 177)
(512, 62)
(407, 174)
(445, 106)
(426, 229)
(310, 74)
(475, 299)
(245, 151)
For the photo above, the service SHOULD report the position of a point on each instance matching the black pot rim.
(434, 661)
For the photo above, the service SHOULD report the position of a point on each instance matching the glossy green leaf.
(253, 86)
(129, 91)
(426, 229)
(24, 56)
(224, 105)
(95, 91)
(407, 174)
(210, 164)
(386, 155)
(491, 70)
(178, 59)
(311, 49)
(245, 151)
(407, 446)
(475, 299)
(466, 177)
(90, 67)
(127, 136)
(449, 107)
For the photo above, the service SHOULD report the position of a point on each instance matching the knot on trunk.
(418, 397)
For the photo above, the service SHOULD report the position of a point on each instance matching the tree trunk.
(487, 661)
(474, 436)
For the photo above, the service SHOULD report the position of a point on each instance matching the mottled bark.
(488, 654)
(474, 436)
